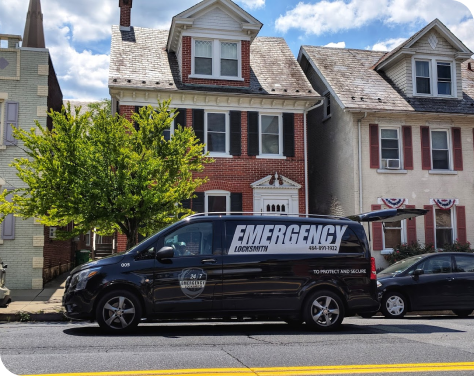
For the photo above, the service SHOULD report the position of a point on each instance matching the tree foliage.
(101, 171)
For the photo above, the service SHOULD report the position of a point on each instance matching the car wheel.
(394, 305)
(118, 312)
(323, 311)
(462, 312)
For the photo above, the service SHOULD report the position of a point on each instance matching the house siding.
(400, 74)
(217, 19)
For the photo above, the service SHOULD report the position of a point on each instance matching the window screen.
(270, 135)
(203, 57)
(229, 60)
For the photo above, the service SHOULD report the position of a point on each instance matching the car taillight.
(373, 269)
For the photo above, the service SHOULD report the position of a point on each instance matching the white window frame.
(219, 193)
(227, 133)
(433, 64)
(400, 151)
(280, 136)
(450, 148)
(172, 128)
(216, 60)
(403, 236)
(453, 224)
(88, 241)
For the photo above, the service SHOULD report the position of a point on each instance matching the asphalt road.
(254, 348)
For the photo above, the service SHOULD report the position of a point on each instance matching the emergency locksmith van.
(300, 270)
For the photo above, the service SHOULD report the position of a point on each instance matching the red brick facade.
(186, 67)
(125, 12)
(58, 256)
(236, 174)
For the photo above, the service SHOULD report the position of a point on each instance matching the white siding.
(443, 47)
(217, 19)
(399, 75)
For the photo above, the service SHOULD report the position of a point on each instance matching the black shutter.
(180, 118)
(236, 202)
(137, 111)
(186, 204)
(252, 134)
(198, 125)
(235, 132)
(198, 202)
(289, 135)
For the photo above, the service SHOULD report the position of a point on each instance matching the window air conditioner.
(393, 164)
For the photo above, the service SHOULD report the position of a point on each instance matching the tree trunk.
(132, 238)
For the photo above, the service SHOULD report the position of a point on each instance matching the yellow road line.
(291, 371)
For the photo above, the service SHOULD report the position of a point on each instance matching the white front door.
(276, 207)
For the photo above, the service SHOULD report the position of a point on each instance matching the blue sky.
(78, 32)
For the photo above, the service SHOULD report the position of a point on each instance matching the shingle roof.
(77, 103)
(138, 59)
(349, 73)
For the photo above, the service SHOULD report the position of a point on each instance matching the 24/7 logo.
(192, 282)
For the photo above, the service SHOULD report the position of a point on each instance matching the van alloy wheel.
(118, 311)
(324, 311)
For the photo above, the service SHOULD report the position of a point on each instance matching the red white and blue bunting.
(394, 203)
(445, 203)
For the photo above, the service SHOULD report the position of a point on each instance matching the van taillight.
(373, 269)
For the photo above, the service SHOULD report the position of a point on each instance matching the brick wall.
(58, 256)
(186, 66)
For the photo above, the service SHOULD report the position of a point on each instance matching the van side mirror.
(418, 272)
(165, 253)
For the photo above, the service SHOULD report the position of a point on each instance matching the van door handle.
(208, 261)
(450, 279)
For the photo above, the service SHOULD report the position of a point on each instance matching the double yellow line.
(292, 371)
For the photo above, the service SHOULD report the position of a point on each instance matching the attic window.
(433, 77)
(203, 53)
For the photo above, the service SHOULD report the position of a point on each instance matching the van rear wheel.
(118, 312)
(323, 311)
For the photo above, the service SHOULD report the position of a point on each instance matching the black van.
(312, 270)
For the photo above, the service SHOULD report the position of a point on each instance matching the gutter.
(360, 162)
(306, 154)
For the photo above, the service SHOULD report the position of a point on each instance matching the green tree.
(98, 171)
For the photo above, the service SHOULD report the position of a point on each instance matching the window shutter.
(429, 226)
(135, 124)
(425, 149)
(377, 232)
(252, 138)
(11, 120)
(198, 126)
(407, 147)
(180, 119)
(8, 225)
(374, 146)
(289, 135)
(236, 202)
(457, 149)
(461, 224)
(235, 133)
(411, 227)
(198, 202)
(186, 204)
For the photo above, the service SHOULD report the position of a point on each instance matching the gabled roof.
(139, 59)
(405, 46)
(185, 19)
(356, 86)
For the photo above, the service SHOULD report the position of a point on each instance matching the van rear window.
(259, 237)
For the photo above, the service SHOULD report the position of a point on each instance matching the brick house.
(396, 130)
(245, 96)
(28, 88)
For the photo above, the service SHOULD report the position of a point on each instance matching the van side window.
(350, 243)
(191, 240)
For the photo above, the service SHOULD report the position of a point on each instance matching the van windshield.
(400, 266)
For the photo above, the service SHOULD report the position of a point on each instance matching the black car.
(428, 282)
(312, 270)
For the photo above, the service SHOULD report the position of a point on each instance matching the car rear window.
(464, 263)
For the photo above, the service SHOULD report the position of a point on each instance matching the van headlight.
(379, 284)
(79, 280)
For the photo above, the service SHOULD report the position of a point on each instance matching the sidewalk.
(37, 305)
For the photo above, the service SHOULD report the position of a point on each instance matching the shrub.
(457, 247)
(405, 250)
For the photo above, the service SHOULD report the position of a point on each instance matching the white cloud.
(252, 4)
(387, 45)
(336, 45)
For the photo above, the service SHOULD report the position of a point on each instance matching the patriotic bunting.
(444, 204)
(393, 203)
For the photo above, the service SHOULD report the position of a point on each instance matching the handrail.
(262, 214)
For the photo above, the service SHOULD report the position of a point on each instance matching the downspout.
(306, 154)
(360, 162)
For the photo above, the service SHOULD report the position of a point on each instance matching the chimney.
(125, 14)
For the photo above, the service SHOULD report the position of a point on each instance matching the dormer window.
(433, 77)
(216, 59)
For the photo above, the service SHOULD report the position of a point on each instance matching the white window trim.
(400, 152)
(217, 193)
(454, 224)
(216, 60)
(227, 134)
(434, 76)
(280, 137)
(450, 149)
(88, 242)
(172, 129)
(403, 236)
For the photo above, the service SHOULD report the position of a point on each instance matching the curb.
(38, 317)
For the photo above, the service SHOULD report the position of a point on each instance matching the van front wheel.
(323, 311)
(118, 312)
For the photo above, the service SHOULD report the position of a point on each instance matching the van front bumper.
(78, 305)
